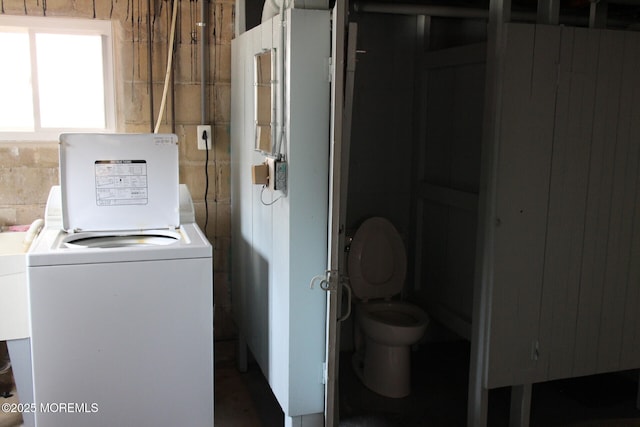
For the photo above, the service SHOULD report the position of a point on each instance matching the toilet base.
(384, 369)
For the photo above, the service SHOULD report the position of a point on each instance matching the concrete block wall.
(28, 170)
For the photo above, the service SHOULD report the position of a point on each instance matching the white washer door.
(119, 181)
(377, 260)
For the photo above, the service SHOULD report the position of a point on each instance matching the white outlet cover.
(201, 142)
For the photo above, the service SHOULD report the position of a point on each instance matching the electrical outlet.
(202, 144)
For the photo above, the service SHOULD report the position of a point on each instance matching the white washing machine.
(121, 290)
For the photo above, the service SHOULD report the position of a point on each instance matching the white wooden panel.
(631, 327)
(453, 125)
(567, 202)
(467, 127)
(250, 268)
(278, 248)
(308, 155)
(530, 74)
(598, 213)
(449, 197)
(622, 195)
(440, 85)
(448, 253)
(590, 297)
(451, 153)
(456, 56)
(518, 60)
(460, 252)
(434, 242)
(382, 134)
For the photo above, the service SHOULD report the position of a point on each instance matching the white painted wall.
(277, 249)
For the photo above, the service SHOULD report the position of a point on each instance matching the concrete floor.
(9, 419)
(438, 397)
(242, 399)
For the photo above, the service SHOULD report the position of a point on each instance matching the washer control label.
(121, 182)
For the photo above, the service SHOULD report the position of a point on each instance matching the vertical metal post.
(150, 65)
(548, 12)
(598, 14)
(204, 60)
(520, 405)
(241, 17)
(499, 14)
(423, 32)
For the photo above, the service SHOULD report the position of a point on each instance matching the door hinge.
(330, 69)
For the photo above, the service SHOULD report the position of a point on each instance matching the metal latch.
(332, 281)
(324, 280)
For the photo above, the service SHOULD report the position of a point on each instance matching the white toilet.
(384, 329)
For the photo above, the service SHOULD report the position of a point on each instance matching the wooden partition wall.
(566, 291)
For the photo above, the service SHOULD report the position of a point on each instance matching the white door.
(342, 71)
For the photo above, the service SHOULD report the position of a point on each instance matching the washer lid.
(119, 181)
(377, 260)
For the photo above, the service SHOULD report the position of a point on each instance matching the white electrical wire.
(169, 62)
(264, 187)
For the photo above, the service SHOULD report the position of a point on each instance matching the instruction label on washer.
(121, 182)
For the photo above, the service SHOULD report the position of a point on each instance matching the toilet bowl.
(385, 330)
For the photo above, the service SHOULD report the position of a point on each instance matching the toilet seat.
(395, 314)
(377, 264)
(377, 260)
(392, 322)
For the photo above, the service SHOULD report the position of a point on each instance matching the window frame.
(54, 25)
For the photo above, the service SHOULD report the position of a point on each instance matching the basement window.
(57, 76)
